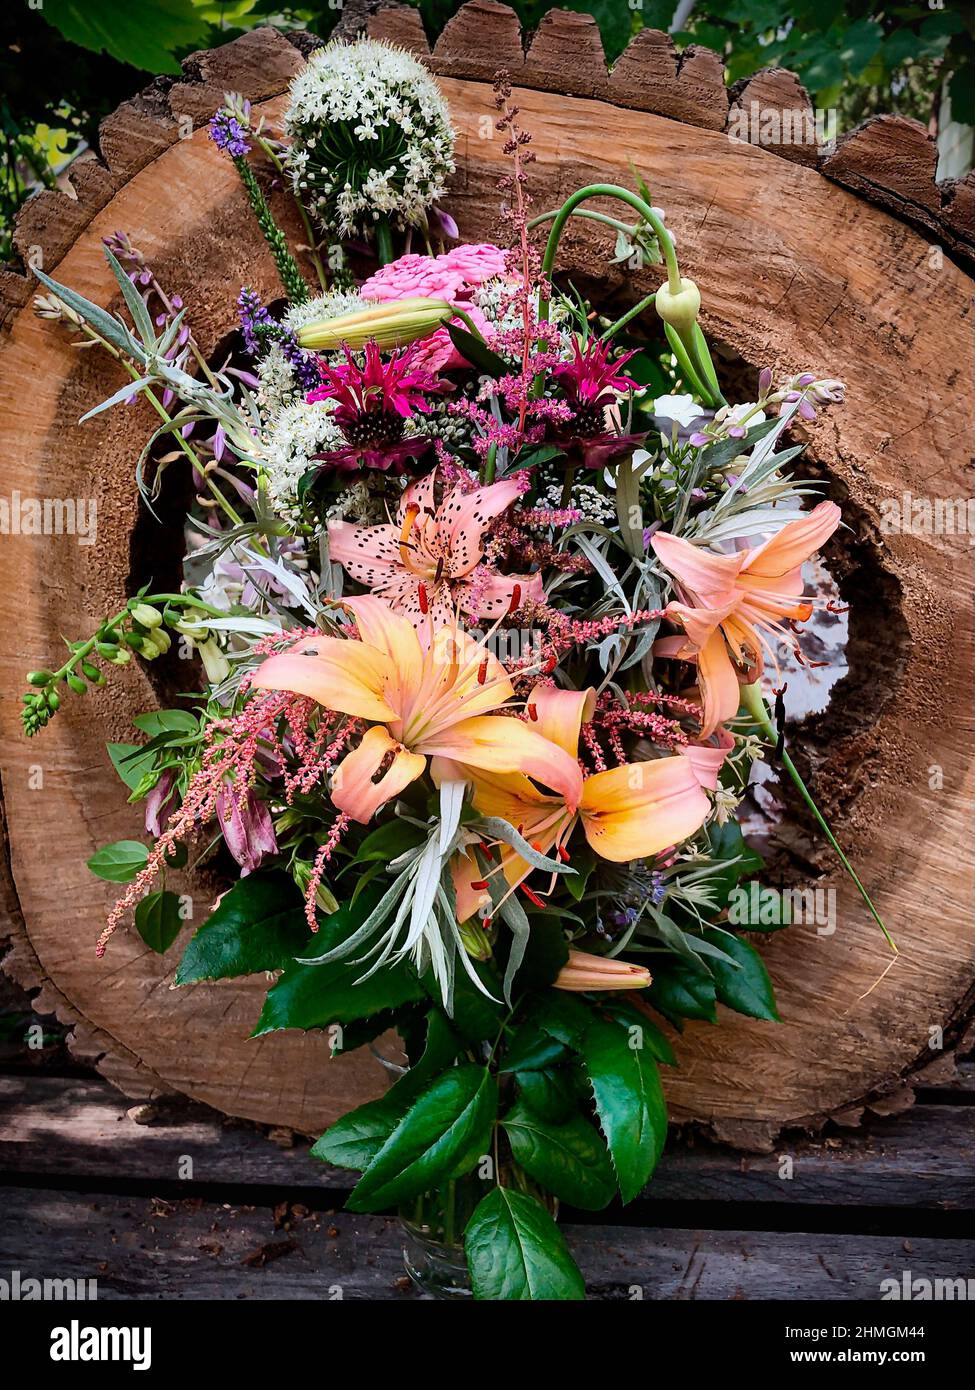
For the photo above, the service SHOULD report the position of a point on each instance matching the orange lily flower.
(422, 699)
(626, 813)
(729, 602)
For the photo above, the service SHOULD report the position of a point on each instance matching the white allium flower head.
(371, 136)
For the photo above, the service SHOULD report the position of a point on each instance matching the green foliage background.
(66, 65)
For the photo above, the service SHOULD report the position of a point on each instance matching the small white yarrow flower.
(371, 137)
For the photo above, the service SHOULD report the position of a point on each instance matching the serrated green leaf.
(515, 1251)
(629, 1102)
(355, 1139)
(569, 1160)
(119, 862)
(314, 996)
(548, 1092)
(258, 925)
(747, 989)
(679, 991)
(443, 1134)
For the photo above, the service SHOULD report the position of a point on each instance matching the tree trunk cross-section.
(797, 272)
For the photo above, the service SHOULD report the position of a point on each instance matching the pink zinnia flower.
(477, 264)
(430, 560)
(453, 277)
(414, 275)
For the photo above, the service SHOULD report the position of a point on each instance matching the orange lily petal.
(719, 684)
(793, 545)
(560, 714)
(373, 773)
(637, 810)
(344, 676)
(703, 572)
(499, 744)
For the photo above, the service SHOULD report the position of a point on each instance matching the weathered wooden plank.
(143, 1248)
(59, 1128)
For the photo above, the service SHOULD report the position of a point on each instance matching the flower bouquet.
(481, 589)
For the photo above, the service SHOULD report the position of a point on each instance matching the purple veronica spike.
(228, 134)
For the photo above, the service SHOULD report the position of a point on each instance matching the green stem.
(165, 416)
(754, 702)
(609, 190)
(316, 259)
(630, 314)
(384, 242)
(590, 216)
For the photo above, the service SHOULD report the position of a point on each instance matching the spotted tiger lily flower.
(421, 699)
(626, 813)
(728, 603)
(428, 564)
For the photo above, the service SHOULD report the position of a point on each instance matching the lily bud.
(396, 323)
(477, 942)
(585, 971)
(680, 310)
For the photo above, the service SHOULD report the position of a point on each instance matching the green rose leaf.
(629, 1102)
(157, 920)
(441, 1136)
(679, 991)
(355, 1139)
(748, 989)
(120, 862)
(548, 1092)
(516, 1252)
(569, 1160)
(258, 925)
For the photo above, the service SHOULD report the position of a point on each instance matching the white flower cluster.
(279, 386)
(371, 137)
(593, 505)
(299, 431)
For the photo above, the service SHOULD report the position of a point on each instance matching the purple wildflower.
(258, 328)
(246, 825)
(228, 134)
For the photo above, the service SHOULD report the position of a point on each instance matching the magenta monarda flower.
(373, 402)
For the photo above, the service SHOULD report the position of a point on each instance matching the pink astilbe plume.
(236, 750)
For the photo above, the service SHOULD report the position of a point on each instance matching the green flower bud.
(92, 673)
(148, 651)
(133, 640)
(106, 649)
(53, 700)
(39, 677)
(680, 310)
(121, 657)
(161, 639)
(145, 614)
(76, 683)
(477, 942)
